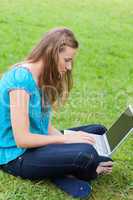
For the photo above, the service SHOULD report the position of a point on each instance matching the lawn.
(103, 79)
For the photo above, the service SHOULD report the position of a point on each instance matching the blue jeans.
(58, 160)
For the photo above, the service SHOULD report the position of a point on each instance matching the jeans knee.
(86, 156)
(100, 129)
(88, 149)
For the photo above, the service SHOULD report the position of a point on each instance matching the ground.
(103, 78)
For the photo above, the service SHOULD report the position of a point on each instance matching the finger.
(105, 164)
(108, 169)
(88, 141)
(86, 134)
(90, 138)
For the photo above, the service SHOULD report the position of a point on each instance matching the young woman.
(30, 147)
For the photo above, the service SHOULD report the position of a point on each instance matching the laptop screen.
(120, 129)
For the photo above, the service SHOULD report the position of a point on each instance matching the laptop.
(107, 143)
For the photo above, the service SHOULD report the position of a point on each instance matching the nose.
(69, 66)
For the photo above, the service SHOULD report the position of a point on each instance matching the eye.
(67, 60)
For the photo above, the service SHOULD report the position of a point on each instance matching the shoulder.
(18, 77)
(20, 74)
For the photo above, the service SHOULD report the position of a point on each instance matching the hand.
(78, 137)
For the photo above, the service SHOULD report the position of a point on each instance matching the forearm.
(38, 140)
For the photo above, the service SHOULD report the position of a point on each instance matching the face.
(65, 59)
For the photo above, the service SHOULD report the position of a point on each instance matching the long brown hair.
(55, 86)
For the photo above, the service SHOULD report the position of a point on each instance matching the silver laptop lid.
(120, 128)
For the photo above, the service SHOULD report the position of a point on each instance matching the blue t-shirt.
(19, 77)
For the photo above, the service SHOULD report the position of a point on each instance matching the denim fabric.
(57, 160)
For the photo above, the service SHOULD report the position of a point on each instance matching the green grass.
(103, 77)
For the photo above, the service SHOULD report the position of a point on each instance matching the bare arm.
(19, 103)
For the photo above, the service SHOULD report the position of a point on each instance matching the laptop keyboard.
(100, 145)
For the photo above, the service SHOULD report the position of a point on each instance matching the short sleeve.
(20, 78)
